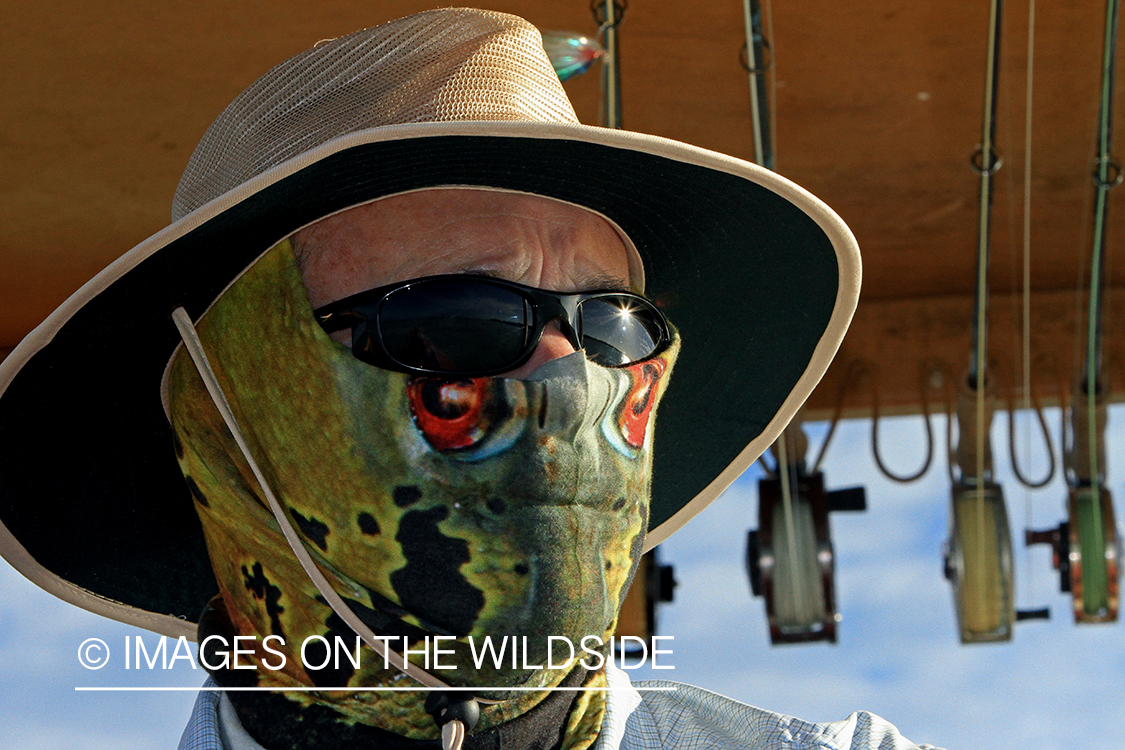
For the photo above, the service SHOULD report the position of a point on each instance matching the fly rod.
(1107, 175)
(1085, 544)
(1092, 531)
(758, 60)
(986, 162)
(974, 455)
(608, 14)
(978, 557)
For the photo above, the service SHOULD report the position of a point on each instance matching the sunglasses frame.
(545, 307)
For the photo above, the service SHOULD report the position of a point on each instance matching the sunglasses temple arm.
(379, 644)
(337, 321)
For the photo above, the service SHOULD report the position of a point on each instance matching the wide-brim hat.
(759, 276)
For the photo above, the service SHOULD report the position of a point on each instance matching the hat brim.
(760, 277)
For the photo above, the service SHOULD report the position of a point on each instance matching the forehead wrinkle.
(593, 229)
(492, 238)
(532, 232)
(522, 238)
(593, 282)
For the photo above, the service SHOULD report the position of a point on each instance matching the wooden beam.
(901, 352)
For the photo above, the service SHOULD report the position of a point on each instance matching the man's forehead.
(440, 214)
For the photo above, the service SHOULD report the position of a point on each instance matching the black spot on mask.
(431, 585)
(261, 588)
(316, 531)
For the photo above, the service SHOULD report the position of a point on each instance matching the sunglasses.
(476, 326)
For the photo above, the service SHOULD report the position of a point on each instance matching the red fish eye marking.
(637, 409)
(449, 413)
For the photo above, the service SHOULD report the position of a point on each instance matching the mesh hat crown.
(441, 65)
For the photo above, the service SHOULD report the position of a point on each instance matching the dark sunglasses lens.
(454, 326)
(618, 330)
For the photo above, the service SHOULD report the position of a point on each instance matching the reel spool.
(978, 562)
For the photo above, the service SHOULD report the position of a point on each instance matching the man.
(409, 330)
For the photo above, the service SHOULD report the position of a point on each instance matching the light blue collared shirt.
(684, 718)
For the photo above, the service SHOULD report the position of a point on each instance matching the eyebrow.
(594, 282)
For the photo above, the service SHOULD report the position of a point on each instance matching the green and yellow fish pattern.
(471, 508)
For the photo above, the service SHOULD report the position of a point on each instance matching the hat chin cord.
(454, 709)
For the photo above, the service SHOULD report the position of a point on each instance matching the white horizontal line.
(217, 689)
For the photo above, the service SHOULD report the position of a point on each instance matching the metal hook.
(994, 161)
(597, 7)
(744, 58)
(1113, 173)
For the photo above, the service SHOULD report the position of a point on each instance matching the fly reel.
(790, 558)
(1087, 554)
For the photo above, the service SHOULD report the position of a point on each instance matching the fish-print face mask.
(485, 507)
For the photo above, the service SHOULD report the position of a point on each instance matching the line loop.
(875, 415)
(1037, 407)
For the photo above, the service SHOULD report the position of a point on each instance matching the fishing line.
(876, 415)
(856, 370)
(762, 113)
(1025, 332)
(783, 470)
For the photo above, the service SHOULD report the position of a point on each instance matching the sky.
(1055, 685)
